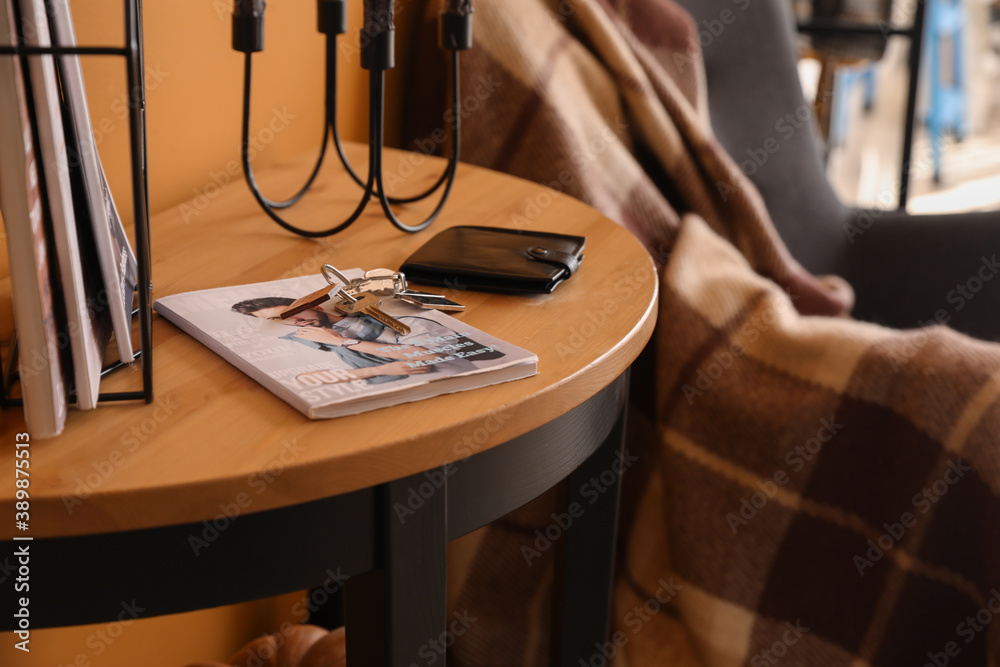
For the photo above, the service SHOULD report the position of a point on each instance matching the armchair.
(907, 270)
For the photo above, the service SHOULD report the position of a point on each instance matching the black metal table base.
(388, 543)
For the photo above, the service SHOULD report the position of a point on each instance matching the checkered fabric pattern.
(810, 490)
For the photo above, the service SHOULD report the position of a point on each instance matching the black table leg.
(397, 616)
(364, 616)
(585, 576)
(329, 615)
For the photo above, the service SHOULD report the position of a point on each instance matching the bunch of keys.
(361, 296)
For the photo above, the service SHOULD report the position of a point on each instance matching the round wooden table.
(219, 492)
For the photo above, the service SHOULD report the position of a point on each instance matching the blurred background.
(860, 86)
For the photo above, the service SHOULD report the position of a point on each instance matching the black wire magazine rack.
(132, 52)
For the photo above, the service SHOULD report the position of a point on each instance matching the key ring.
(330, 269)
(370, 283)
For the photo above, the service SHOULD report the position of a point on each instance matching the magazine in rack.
(88, 326)
(39, 363)
(326, 364)
(73, 272)
(95, 210)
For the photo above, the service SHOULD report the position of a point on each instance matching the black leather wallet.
(496, 260)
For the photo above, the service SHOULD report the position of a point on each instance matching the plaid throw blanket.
(809, 490)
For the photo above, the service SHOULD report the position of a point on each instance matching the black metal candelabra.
(377, 55)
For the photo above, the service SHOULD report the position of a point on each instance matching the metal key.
(429, 300)
(387, 282)
(366, 303)
(384, 282)
(308, 301)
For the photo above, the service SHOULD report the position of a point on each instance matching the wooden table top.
(213, 439)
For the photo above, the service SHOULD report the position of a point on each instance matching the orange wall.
(195, 87)
(195, 90)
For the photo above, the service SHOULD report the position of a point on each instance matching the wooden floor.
(865, 168)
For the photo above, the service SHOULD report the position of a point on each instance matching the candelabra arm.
(266, 204)
(331, 88)
(376, 97)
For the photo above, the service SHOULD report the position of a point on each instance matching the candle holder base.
(378, 55)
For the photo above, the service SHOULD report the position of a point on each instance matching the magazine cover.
(95, 211)
(20, 202)
(88, 329)
(326, 364)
